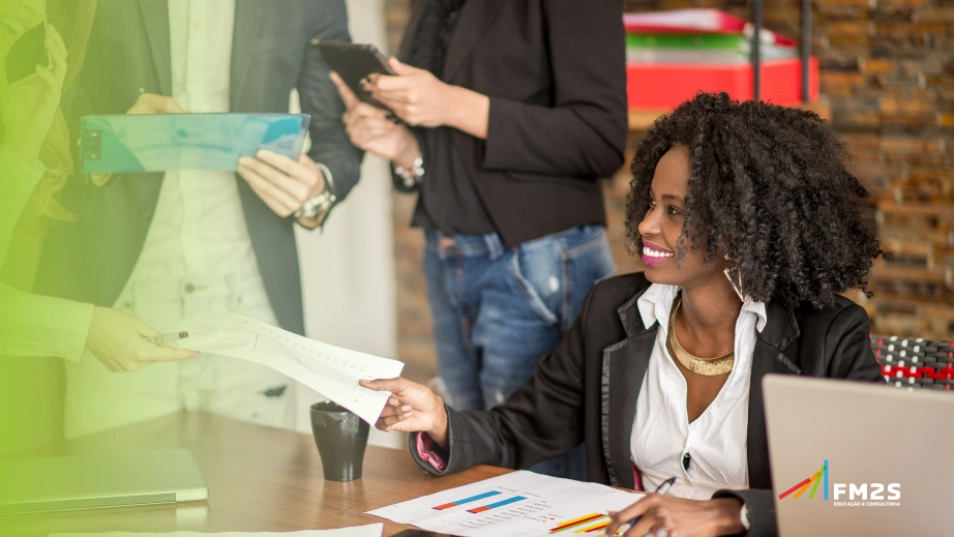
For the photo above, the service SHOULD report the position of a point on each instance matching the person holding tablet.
(503, 117)
(748, 221)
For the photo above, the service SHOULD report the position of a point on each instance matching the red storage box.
(664, 86)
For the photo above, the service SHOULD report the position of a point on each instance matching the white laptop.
(100, 480)
(852, 458)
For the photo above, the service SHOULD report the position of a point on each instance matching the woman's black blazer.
(555, 72)
(586, 390)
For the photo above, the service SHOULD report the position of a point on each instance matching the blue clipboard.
(166, 142)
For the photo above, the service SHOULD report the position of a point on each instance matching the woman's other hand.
(27, 108)
(118, 340)
(412, 407)
(677, 517)
(371, 129)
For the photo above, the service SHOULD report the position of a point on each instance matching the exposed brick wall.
(887, 72)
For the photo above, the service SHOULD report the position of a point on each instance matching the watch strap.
(322, 203)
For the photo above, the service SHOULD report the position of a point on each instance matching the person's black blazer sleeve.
(584, 133)
(849, 356)
(319, 98)
(542, 419)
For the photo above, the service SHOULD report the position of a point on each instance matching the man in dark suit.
(165, 245)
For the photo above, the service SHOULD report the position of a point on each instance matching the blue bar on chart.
(501, 503)
(466, 500)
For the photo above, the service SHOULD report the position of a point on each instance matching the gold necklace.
(711, 367)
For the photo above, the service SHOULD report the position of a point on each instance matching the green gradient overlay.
(40, 192)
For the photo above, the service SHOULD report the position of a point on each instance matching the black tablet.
(353, 62)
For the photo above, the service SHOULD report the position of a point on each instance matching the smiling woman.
(661, 375)
(761, 188)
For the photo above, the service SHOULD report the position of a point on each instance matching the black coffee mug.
(341, 437)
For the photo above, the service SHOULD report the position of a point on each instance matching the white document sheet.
(330, 370)
(519, 503)
(371, 530)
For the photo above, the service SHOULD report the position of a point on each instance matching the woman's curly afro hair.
(769, 187)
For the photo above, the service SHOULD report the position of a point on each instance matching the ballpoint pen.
(166, 338)
(661, 489)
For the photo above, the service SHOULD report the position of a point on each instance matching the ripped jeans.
(496, 311)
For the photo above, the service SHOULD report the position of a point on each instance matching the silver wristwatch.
(316, 206)
(746, 517)
(321, 203)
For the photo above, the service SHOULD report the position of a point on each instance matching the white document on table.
(332, 371)
(371, 530)
(519, 503)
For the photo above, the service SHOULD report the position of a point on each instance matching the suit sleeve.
(852, 357)
(584, 132)
(319, 98)
(542, 419)
(761, 510)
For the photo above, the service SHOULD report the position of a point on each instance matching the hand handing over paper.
(330, 370)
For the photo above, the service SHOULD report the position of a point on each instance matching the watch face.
(317, 205)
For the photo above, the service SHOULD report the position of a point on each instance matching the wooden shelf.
(642, 119)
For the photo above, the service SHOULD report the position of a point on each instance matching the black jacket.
(556, 76)
(91, 259)
(586, 390)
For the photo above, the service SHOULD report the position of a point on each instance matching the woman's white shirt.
(716, 441)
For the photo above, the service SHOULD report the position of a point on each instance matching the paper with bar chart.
(332, 371)
(519, 503)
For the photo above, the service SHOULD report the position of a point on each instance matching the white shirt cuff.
(36, 325)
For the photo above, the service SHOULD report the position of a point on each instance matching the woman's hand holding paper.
(412, 407)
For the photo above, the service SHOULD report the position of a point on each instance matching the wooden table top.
(260, 479)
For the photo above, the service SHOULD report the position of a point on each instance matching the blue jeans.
(497, 311)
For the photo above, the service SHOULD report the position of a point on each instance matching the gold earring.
(735, 278)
